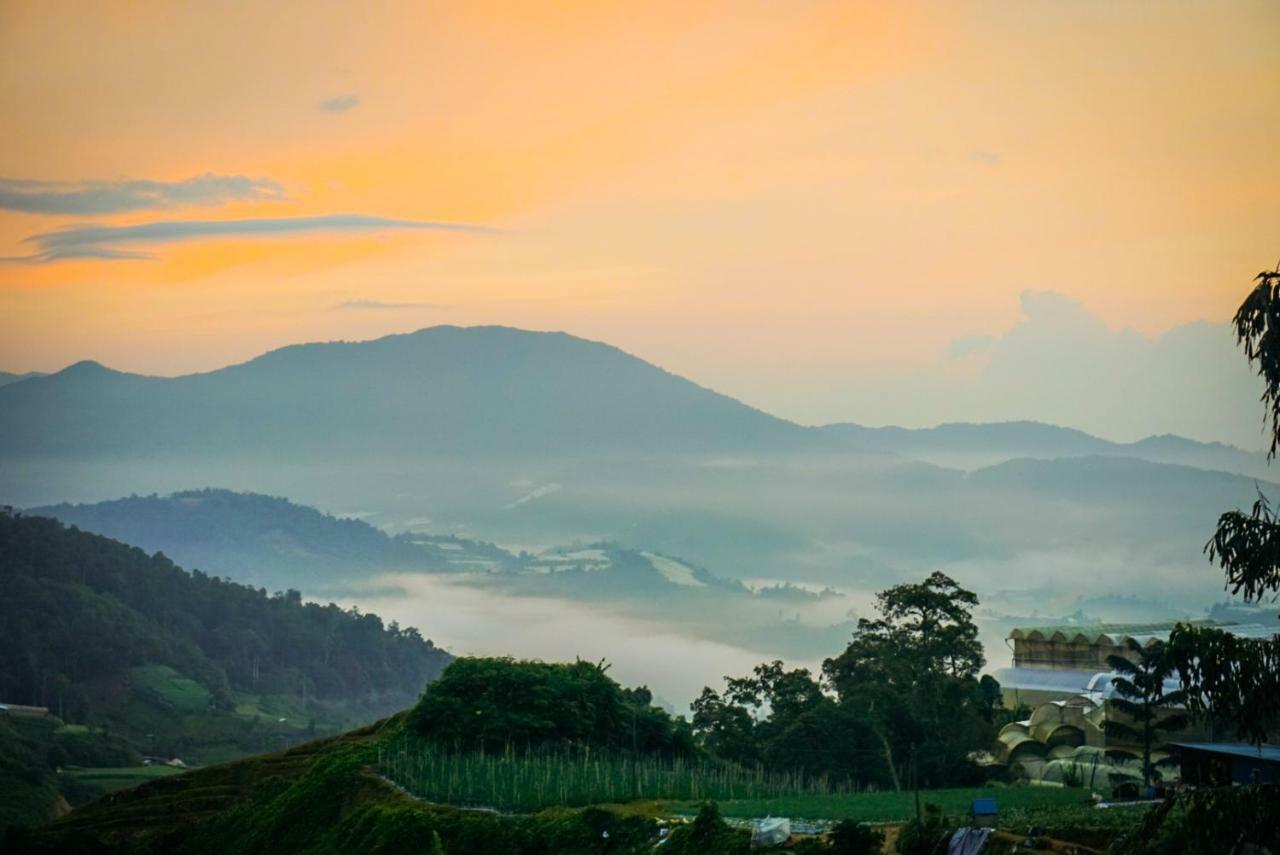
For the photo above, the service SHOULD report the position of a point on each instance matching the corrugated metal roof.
(1270, 753)
(1044, 679)
(1121, 633)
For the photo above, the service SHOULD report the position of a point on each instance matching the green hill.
(142, 657)
(249, 537)
(320, 797)
(335, 795)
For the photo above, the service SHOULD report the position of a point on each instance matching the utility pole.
(635, 759)
(915, 781)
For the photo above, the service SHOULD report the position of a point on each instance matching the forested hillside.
(249, 537)
(102, 633)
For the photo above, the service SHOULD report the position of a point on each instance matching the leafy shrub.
(856, 838)
(708, 834)
(1211, 820)
(927, 835)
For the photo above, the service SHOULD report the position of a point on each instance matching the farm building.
(22, 709)
(1055, 662)
(1221, 763)
(1060, 673)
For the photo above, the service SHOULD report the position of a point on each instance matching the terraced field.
(168, 804)
(111, 779)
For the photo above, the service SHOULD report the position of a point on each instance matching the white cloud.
(1061, 364)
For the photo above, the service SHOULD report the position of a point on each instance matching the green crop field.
(1060, 813)
(530, 781)
(164, 686)
(120, 777)
(889, 806)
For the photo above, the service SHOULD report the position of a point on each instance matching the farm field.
(526, 782)
(165, 687)
(121, 777)
(890, 806)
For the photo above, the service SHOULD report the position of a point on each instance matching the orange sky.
(778, 200)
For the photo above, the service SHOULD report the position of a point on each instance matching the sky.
(885, 213)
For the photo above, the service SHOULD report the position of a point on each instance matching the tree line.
(77, 607)
(902, 705)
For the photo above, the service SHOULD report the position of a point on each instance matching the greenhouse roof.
(1121, 633)
(1270, 753)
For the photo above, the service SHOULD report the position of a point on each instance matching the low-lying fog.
(470, 620)
(675, 657)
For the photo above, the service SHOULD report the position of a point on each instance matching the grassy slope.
(324, 797)
(319, 797)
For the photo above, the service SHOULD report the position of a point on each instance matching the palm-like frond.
(1133, 709)
(1119, 729)
(1122, 665)
(1257, 325)
(1247, 547)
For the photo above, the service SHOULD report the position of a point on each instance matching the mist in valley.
(793, 529)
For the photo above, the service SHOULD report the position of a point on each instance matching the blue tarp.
(983, 807)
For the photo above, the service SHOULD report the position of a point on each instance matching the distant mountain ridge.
(975, 445)
(491, 391)
(265, 540)
(7, 377)
(495, 392)
(248, 537)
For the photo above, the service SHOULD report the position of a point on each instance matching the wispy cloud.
(340, 104)
(987, 156)
(115, 242)
(113, 197)
(379, 305)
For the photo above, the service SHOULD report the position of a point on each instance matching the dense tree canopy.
(500, 703)
(902, 700)
(912, 674)
(79, 607)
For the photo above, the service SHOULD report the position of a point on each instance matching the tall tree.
(1144, 701)
(911, 674)
(1224, 676)
(902, 697)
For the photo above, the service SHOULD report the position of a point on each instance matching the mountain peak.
(85, 368)
(437, 392)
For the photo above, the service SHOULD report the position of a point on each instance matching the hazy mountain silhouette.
(7, 377)
(245, 536)
(490, 391)
(267, 540)
(972, 446)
